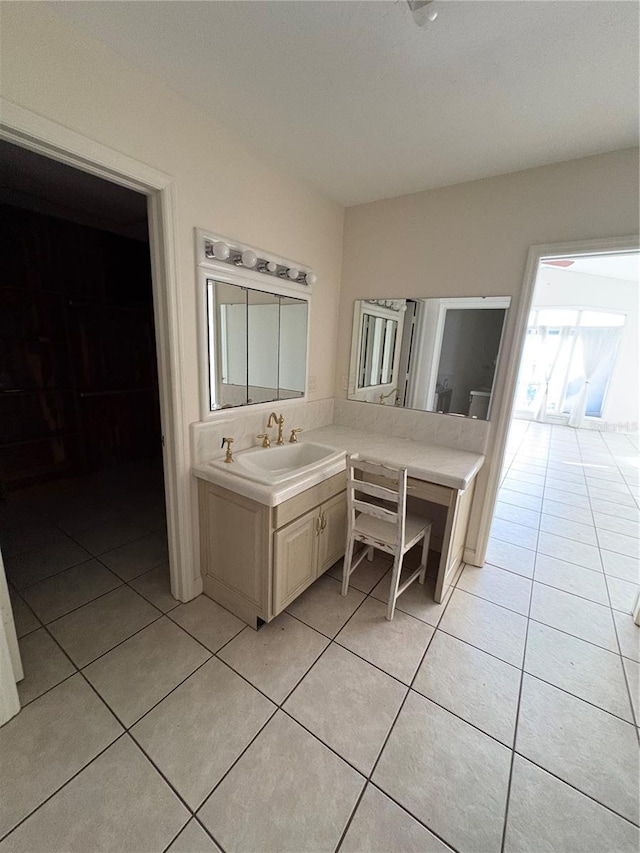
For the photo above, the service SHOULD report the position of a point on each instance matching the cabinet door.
(332, 539)
(295, 559)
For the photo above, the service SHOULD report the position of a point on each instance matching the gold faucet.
(383, 397)
(274, 419)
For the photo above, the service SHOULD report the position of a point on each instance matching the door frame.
(10, 662)
(28, 130)
(629, 243)
(453, 304)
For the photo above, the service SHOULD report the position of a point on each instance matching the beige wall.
(54, 70)
(472, 239)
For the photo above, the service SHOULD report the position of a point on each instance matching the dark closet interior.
(78, 375)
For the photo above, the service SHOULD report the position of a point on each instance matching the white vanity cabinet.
(306, 548)
(257, 559)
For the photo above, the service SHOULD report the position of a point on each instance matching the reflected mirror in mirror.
(292, 358)
(262, 345)
(436, 355)
(257, 345)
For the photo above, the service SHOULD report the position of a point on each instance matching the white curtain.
(549, 368)
(598, 345)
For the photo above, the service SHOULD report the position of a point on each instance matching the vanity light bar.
(221, 251)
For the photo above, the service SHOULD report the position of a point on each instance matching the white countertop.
(430, 462)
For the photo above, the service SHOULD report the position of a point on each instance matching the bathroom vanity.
(256, 559)
(274, 519)
(262, 545)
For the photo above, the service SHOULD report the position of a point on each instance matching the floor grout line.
(617, 635)
(175, 837)
(64, 785)
(575, 695)
(517, 717)
(355, 808)
(578, 790)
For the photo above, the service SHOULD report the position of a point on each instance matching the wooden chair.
(377, 517)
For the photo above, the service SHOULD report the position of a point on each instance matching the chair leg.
(395, 583)
(425, 556)
(346, 565)
(370, 553)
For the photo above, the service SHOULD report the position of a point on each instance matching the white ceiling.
(357, 99)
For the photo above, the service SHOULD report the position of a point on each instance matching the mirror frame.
(446, 303)
(210, 268)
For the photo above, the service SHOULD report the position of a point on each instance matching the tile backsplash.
(446, 430)
(244, 424)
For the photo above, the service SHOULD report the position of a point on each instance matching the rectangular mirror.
(436, 355)
(293, 348)
(257, 345)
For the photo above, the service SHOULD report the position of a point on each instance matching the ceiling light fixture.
(422, 11)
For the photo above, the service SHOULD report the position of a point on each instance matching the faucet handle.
(293, 438)
(229, 454)
(266, 441)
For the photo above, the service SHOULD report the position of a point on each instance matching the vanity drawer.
(295, 507)
(442, 495)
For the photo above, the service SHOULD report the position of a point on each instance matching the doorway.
(579, 365)
(82, 510)
(35, 133)
(567, 515)
(563, 553)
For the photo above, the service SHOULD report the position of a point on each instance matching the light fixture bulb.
(272, 266)
(221, 250)
(293, 273)
(311, 278)
(249, 258)
(422, 11)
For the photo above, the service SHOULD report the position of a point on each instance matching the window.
(553, 361)
(377, 350)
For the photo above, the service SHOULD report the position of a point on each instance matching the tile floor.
(504, 719)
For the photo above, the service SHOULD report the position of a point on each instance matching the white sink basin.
(275, 465)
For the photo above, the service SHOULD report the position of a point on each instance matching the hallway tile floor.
(504, 719)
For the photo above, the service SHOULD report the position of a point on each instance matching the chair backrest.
(394, 492)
